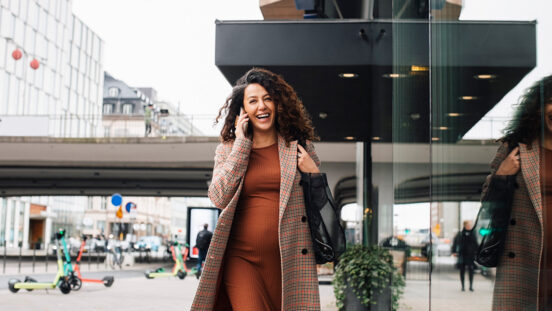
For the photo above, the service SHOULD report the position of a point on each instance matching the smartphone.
(245, 123)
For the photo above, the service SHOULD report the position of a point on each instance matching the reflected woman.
(524, 272)
(261, 255)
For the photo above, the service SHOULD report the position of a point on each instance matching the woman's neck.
(264, 139)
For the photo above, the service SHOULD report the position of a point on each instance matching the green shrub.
(368, 271)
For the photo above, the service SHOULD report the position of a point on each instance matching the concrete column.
(16, 222)
(26, 223)
(360, 190)
(47, 230)
(9, 213)
(367, 9)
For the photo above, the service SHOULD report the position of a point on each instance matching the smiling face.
(260, 108)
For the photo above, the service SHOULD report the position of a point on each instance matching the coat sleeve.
(312, 152)
(230, 167)
(493, 183)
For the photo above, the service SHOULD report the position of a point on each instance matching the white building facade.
(62, 97)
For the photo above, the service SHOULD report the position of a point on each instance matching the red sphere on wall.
(16, 54)
(34, 64)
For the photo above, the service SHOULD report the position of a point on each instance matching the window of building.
(113, 92)
(128, 108)
(107, 108)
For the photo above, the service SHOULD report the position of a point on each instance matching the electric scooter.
(74, 280)
(61, 280)
(107, 281)
(179, 269)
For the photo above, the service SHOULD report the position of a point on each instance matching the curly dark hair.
(292, 119)
(526, 126)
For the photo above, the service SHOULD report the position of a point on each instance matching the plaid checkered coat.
(517, 275)
(298, 266)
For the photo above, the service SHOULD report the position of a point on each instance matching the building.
(62, 97)
(125, 109)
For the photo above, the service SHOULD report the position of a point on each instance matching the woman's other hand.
(305, 162)
(510, 165)
(241, 124)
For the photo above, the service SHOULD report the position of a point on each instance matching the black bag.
(493, 219)
(328, 237)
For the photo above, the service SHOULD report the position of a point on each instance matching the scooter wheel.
(64, 286)
(11, 285)
(29, 280)
(181, 274)
(108, 281)
(75, 282)
(147, 274)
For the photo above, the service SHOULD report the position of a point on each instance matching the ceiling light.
(484, 76)
(376, 138)
(349, 137)
(418, 68)
(415, 116)
(454, 114)
(468, 97)
(442, 128)
(434, 138)
(394, 75)
(348, 75)
(323, 115)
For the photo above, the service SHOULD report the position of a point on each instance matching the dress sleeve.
(230, 166)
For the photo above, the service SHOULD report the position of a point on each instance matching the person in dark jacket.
(203, 240)
(465, 248)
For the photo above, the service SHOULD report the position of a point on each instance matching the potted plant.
(365, 279)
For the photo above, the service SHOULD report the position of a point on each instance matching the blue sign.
(116, 199)
(129, 206)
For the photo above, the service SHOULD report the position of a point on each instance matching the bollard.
(34, 258)
(20, 253)
(88, 254)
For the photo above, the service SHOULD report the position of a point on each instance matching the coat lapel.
(288, 169)
(530, 168)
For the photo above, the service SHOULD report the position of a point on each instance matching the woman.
(523, 279)
(261, 255)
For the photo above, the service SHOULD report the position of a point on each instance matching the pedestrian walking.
(465, 248)
(261, 255)
(203, 240)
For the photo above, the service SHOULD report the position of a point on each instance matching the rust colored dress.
(252, 277)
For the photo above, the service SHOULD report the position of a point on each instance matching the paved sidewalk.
(127, 293)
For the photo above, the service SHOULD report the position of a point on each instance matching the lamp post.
(18, 54)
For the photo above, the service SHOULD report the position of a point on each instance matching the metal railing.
(174, 125)
(110, 125)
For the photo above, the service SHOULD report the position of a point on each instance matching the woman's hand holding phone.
(241, 124)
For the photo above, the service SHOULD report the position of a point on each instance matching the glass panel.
(42, 22)
(478, 81)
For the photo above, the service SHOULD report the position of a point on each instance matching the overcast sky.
(166, 44)
(169, 45)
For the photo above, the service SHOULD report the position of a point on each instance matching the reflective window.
(107, 108)
(128, 108)
(113, 92)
